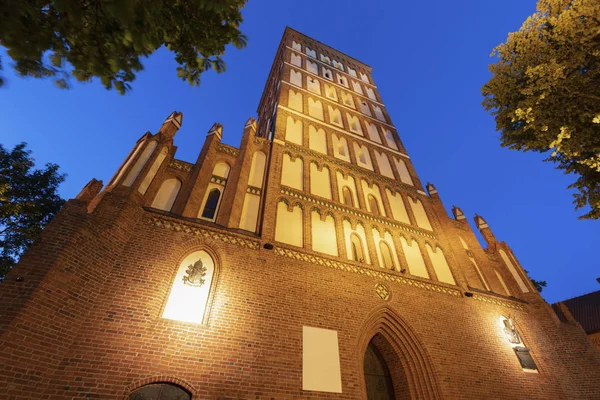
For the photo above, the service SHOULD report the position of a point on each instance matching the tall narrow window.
(296, 60)
(364, 108)
(313, 85)
(347, 196)
(379, 114)
(371, 94)
(315, 109)
(347, 99)
(357, 88)
(330, 92)
(389, 138)
(295, 100)
(212, 201)
(312, 67)
(357, 249)
(373, 205)
(386, 255)
(354, 124)
(295, 77)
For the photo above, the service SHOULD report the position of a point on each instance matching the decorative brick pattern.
(194, 230)
(181, 165)
(223, 148)
(498, 302)
(382, 291)
(390, 277)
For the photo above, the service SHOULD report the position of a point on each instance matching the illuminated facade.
(310, 262)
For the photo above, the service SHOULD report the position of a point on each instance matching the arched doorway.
(394, 364)
(384, 375)
(377, 375)
(160, 391)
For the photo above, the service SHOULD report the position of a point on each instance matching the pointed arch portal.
(394, 364)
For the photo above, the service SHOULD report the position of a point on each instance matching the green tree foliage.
(545, 92)
(107, 39)
(28, 201)
(539, 285)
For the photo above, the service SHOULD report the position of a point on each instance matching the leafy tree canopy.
(106, 39)
(539, 285)
(28, 201)
(545, 92)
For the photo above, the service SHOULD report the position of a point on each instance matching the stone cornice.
(324, 202)
(180, 226)
(499, 302)
(381, 275)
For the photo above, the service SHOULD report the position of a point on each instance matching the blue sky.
(429, 62)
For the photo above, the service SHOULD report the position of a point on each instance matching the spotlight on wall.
(468, 294)
(19, 279)
(403, 270)
(268, 246)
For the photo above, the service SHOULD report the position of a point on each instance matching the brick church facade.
(310, 262)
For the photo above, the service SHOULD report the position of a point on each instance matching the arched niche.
(167, 194)
(191, 289)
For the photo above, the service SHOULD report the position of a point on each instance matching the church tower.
(310, 262)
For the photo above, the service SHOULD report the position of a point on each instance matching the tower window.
(386, 255)
(357, 249)
(373, 205)
(347, 196)
(212, 201)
